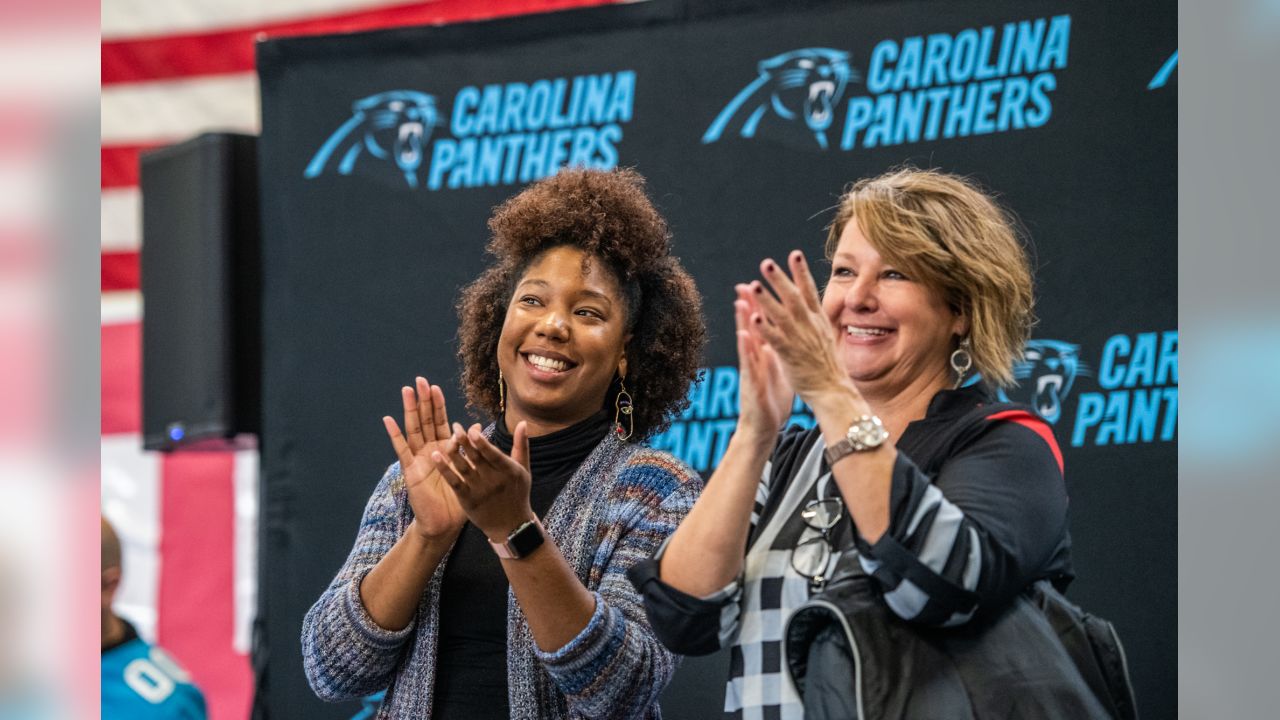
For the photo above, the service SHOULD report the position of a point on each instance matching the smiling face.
(893, 332)
(562, 342)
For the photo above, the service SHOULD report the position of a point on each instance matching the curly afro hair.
(609, 216)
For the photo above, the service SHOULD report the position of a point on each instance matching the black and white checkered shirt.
(977, 512)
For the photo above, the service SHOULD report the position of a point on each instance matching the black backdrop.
(1060, 107)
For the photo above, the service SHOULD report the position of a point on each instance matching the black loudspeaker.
(201, 295)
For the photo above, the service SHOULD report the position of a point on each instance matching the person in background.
(139, 681)
(487, 579)
(951, 504)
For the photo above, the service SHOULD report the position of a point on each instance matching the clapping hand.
(436, 511)
(764, 394)
(492, 487)
(796, 328)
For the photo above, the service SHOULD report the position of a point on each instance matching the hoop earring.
(502, 395)
(961, 361)
(622, 406)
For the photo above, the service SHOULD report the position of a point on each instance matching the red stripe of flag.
(122, 378)
(232, 51)
(120, 271)
(120, 164)
(1035, 424)
(196, 604)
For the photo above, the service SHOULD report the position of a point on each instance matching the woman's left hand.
(795, 326)
(492, 487)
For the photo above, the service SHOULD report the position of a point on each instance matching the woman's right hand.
(436, 512)
(764, 394)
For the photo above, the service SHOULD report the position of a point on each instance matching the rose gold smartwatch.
(522, 541)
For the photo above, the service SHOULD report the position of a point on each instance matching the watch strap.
(839, 451)
(865, 433)
(521, 541)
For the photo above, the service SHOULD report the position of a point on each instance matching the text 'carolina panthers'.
(977, 81)
(518, 132)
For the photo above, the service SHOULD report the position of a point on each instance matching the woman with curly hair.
(488, 576)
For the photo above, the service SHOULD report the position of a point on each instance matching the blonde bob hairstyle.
(943, 231)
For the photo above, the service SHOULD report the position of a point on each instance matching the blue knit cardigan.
(615, 511)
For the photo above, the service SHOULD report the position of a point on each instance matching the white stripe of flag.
(121, 219)
(123, 19)
(177, 109)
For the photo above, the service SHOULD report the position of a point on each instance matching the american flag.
(171, 70)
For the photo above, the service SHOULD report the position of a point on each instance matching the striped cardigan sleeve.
(345, 654)
(979, 532)
(616, 668)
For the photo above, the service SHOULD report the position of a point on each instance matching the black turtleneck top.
(471, 658)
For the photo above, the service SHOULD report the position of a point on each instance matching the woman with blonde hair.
(945, 504)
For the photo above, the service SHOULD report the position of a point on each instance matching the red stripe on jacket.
(1035, 424)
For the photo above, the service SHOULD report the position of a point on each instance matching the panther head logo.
(392, 125)
(1045, 375)
(801, 84)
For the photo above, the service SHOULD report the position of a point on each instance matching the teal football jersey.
(141, 682)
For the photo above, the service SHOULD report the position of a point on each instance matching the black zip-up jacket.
(978, 512)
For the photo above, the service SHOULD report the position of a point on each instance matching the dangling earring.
(622, 406)
(502, 395)
(961, 361)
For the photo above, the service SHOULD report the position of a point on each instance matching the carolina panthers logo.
(390, 125)
(1045, 375)
(801, 84)
(1162, 76)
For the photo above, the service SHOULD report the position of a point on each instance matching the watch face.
(867, 432)
(526, 539)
